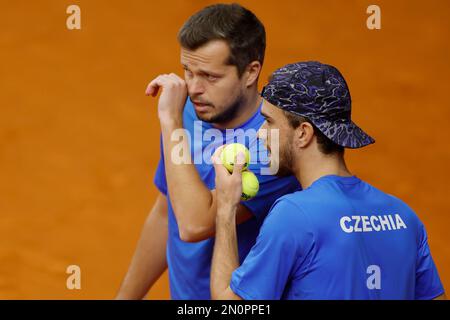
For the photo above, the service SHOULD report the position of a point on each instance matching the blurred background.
(79, 140)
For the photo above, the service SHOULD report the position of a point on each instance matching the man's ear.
(252, 71)
(304, 134)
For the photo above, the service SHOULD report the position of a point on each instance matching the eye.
(188, 73)
(211, 77)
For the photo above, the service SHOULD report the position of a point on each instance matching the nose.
(195, 87)
(262, 132)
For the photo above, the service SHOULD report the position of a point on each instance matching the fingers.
(153, 86)
(218, 152)
(176, 78)
(164, 79)
(239, 164)
(217, 162)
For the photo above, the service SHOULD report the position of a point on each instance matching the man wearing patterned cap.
(339, 238)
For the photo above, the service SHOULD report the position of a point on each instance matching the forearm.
(225, 256)
(149, 260)
(191, 200)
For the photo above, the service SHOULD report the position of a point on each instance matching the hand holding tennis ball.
(228, 156)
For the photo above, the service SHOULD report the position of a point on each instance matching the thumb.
(239, 163)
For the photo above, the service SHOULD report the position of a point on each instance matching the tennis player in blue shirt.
(217, 102)
(339, 238)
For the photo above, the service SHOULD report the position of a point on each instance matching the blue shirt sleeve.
(281, 250)
(428, 283)
(160, 175)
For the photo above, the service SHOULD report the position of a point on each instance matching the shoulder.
(397, 208)
(402, 208)
(288, 211)
(387, 197)
(288, 224)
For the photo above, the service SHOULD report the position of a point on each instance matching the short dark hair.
(326, 146)
(238, 26)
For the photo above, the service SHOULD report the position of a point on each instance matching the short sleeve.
(284, 243)
(160, 175)
(428, 283)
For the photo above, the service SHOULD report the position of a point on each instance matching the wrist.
(170, 121)
(226, 210)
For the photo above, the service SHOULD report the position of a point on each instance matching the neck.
(315, 165)
(245, 112)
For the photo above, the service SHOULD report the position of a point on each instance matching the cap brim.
(346, 134)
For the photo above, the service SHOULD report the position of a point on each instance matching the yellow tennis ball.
(229, 153)
(250, 185)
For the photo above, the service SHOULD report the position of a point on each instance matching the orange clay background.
(79, 140)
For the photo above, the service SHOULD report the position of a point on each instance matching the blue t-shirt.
(190, 263)
(340, 238)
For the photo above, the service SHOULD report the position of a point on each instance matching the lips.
(201, 106)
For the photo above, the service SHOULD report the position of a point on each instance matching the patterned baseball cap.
(319, 93)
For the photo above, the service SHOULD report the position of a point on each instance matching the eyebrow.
(265, 115)
(204, 71)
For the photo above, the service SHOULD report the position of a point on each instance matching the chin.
(204, 116)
